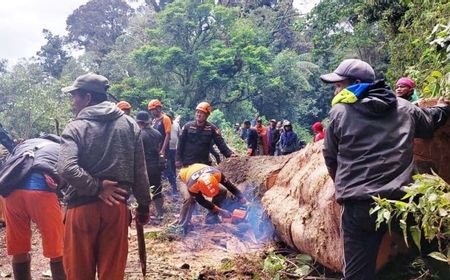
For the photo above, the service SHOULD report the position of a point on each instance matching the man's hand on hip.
(111, 194)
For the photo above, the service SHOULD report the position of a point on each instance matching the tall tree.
(96, 25)
(52, 55)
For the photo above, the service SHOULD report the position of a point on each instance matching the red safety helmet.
(208, 185)
(154, 103)
(204, 107)
(123, 105)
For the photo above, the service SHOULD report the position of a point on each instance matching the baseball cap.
(143, 116)
(90, 82)
(350, 68)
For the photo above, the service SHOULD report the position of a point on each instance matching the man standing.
(368, 151)
(173, 143)
(162, 123)
(125, 107)
(102, 159)
(273, 135)
(405, 88)
(251, 139)
(317, 128)
(197, 137)
(288, 139)
(152, 140)
(263, 147)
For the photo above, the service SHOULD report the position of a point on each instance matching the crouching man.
(202, 182)
(28, 183)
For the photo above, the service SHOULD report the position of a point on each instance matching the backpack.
(33, 154)
(14, 171)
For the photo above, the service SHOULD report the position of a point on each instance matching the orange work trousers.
(96, 239)
(41, 207)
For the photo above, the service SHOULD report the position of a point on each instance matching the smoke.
(256, 227)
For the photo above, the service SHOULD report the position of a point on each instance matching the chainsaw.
(238, 215)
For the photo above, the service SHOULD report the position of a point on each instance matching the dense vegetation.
(242, 56)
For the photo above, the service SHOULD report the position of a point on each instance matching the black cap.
(143, 117)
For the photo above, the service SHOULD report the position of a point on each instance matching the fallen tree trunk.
(298, 195)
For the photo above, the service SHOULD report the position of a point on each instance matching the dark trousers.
(361, 240)
(171, 170)
(154, 178)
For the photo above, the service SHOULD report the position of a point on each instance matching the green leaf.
(303, 270)
(436, 74)
(303, 259)
(416, 234)
(440, 257)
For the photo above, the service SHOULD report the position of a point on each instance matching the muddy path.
(223, 251)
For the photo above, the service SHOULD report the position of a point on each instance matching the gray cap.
(90, 82)
(350, 68)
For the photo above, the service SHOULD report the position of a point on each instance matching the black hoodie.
(368, 145)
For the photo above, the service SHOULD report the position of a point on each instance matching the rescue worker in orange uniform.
(197, 138)
(125, 107)
(32, 198)
(201, 182)
(102, 159)
(162, 123)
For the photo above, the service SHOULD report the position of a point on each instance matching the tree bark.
(299, 195)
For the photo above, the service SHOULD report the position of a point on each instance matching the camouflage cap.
(89, 82)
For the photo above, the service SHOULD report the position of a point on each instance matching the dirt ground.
(223, 251)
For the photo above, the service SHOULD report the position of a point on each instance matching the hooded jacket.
(102, 143)
(368, 146)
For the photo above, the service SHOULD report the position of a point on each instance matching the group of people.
(278, 138)
(104, 156)
(368, 150)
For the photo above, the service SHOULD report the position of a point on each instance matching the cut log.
(299, 196)
(434, 154)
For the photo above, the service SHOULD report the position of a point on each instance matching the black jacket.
(152, 141)
(195, 143)
(252, 139)
(35, 154)
(368, 146)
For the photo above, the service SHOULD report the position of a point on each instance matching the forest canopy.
(241, 56)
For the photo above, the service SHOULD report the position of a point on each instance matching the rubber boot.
(22, 271)
(159, 203)
(57, 269)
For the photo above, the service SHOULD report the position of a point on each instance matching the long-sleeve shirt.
(190, 176)
(195, 143)
(102, 143)
(368, 146)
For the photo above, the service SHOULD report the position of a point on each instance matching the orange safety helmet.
(123, 105)
(208, 185)
(204, 107)
(154, 103)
